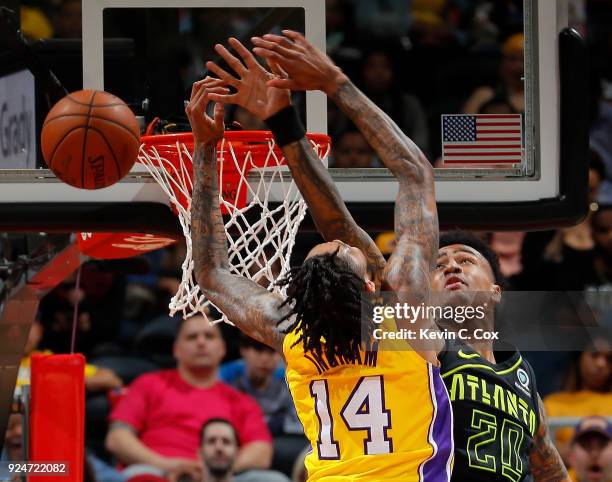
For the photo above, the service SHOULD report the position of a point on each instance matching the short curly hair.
(470, 239)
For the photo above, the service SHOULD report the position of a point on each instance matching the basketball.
(90, 139)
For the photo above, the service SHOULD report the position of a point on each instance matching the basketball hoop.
(261, 204)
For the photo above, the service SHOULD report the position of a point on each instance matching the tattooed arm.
(416, 219)
(325, 204)
(546, 463)
(332, 218)
(251, 307)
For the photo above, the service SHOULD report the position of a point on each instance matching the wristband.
(286, 126)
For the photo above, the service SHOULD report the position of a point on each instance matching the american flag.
(482, 139)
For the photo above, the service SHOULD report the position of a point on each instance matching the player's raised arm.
(251, 307)
(273, 106)
(416, 217)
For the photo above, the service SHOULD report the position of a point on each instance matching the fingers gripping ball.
(90, 139)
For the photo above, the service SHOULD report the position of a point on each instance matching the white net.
(260, 227)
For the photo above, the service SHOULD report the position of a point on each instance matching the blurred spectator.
(352, 150)
(271, 394)
(97, 379)
(157, 424)
(219, 449)
(590, 453)
(507, 246)
(430, 27)
(274, 398)
(340, 39)
(383, 18)
(586, 389)
(68, 19)
(247, 121)
(100, 296)
(510, 86)
(34, 23)
(94, 468)
(564, 259)
(497, 105)
(13, 441)
(381, 85)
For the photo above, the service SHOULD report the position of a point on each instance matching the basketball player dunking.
(371, 414)
(500, 425)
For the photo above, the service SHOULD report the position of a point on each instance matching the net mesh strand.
(260, 236)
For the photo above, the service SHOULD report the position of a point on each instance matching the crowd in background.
(416, 59)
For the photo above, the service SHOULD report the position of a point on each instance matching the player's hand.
(251, 84)
(306, 66)
(206, 129)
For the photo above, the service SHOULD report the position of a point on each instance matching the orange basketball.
(90, 139)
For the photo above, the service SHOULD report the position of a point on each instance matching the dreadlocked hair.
(325, 297)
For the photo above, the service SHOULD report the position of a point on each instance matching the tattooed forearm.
(399, 154)
(332, 218)
(251, 307)
(208, 231)
(546, 463)
(416, 220)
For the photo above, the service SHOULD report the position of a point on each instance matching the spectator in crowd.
(274, 398)
(565, 259)
(97, 379)
(13, 441)
(156, 426)
(586, 389)
(34, 23)
(383, 18)
(510, 87)
(590, 453)
(352, 150)
(94, 468)
(219, 449)
(100, 296)
(380, 84)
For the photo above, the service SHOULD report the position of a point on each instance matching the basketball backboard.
(169, 42)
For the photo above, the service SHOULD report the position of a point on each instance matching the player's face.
(351, 254)
(219, 448)
(591, 458)
(461, 272)
(199, 344)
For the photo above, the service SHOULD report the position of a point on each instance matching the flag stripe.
(480, 154)
(498, 124)
(486, 130)
(481, 162)
(495, 145)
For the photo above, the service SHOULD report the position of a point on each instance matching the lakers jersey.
(385, 417)
(496, 413)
